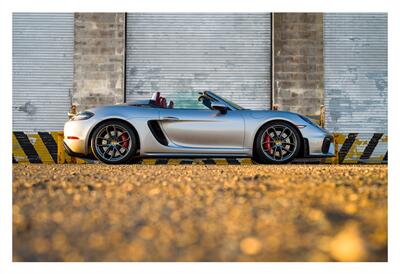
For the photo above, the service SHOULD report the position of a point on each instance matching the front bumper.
(327, 149)
(318, 142)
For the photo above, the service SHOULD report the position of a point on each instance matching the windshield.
(187, 100)
(236, 106)
(229, 103)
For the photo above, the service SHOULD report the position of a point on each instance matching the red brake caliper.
(124, 140)
(267, 145)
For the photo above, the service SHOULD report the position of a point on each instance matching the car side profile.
(119, 134)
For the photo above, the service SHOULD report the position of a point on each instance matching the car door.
(203, 128)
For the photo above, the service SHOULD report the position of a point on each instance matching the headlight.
(82, 116)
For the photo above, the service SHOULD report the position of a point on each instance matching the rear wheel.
(277, 143)
(113, 142)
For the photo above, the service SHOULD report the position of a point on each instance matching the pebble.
(250, 246)
(199, 213)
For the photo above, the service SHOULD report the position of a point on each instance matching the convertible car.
(121, 133)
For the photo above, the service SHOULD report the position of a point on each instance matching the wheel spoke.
(282, 131)
(122, 133)
(116, 147)
(106, 151)
(103, 145)
(275, 133)
(124, 140)
(115, 131)
(287, 143)
(108, 132)
(291, 133)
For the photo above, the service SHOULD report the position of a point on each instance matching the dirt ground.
(199, 213)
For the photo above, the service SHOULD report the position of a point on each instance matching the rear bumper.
(71, 153)
(79, 131)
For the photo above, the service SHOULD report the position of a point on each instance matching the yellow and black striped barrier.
(40, 147)
(47, 148)
(360, 148)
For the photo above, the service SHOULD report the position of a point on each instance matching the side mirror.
(219, 106)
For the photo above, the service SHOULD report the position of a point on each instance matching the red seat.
(161, 101)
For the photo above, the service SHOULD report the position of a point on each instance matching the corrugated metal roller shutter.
(355, 53)
(182, 54)
(43, 46)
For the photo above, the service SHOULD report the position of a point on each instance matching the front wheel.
(113, 142)
(276, 143)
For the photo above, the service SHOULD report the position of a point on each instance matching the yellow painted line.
(328, 160)
(375, 160)
(173, 162)
(149, 161)
(18, 152)
(246, 161)
(221, 162)
(79, 160)
(197, 162)
(350, 161)
(41, 149)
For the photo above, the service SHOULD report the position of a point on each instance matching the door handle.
(170, 118)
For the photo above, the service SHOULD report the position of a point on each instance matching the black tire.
(113, 142)
(276, 143)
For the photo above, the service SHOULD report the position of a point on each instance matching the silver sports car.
(213, 127)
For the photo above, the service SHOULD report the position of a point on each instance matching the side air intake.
(157, 132)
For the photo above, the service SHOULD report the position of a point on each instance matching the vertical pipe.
(336, 140)
(60, 148)
(272, 62)
(125, 51)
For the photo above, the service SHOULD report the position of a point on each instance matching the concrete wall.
(298, 69)
(98, 59)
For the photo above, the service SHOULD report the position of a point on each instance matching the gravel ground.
(199, 213)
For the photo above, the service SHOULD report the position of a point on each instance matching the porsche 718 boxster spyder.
(121, 133)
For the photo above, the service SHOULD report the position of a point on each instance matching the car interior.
(160, 101)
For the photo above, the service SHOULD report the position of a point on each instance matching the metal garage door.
(42, 70)
(182, 54)
(356, 72)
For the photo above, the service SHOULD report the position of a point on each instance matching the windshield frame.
(231, 105)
